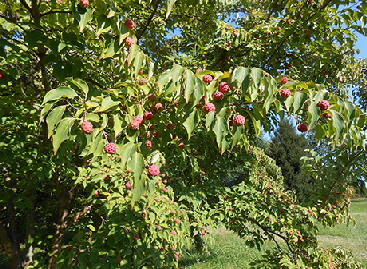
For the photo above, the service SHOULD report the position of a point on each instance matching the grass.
(228, 251)
(349, 237)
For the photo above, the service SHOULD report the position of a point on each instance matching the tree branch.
(56, 11)
(138, 36)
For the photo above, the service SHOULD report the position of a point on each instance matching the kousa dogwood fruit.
(130, 24)
(207, 78)
(134, 125)
(323, 105)
(153, 170)
(84, 3)
(87, 127)
(152, 97)
(223, 87)
(285, 93)
(148, 115)
(149, 144)
(284, 80)
(218, 96)
(209, 107)
(239, 120)
(110, 148)
(129, 41)
(302, 127)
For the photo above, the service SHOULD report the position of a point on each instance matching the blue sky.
(362, 46)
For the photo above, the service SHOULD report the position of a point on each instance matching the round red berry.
(218, 96)
(110, 148)
(87, 127)
(327, 115)
(153, 170)
(158, 106)
(209, 107)
(284, 80)
(302, 127)
(139, 119)
(223, 87)
(323, 104)
(148, 115)
(84, 3)
(239, 120)
(151, 97)
(129, 24)
(207, 78)
(134, 125)
(170, 126)
(285, 92)
(129, 41)
(149, 144)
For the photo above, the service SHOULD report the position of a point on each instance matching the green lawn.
(227, 250)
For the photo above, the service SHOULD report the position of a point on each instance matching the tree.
(118, 155)
(287, 147)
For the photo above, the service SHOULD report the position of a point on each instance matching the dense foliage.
(116, 151)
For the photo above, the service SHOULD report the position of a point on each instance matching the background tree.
(287, 147)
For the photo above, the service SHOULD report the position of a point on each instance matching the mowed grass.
(227, 250)
(350, 237)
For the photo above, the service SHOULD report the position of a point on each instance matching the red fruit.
(327, 115)
(149, 144)
(323, 104)
(69, 248)
(144, 214)
(118, 260)
(305, 30)
(139, 119)
(136, 237)
(309, 210)
(176, 220)
(207, 78)
(218, 96)
(148, 115)
(285, 92)
(87, 127)
(142, 81)
(110, 148)
(302, 127)
(96, 193)
(235, 33)
(199, 69)
(308, 35)
(129, 24)
(134, 124)
(128, 185)
(209, 107)
(181, 145)
(173, 232)
(239, 120)
(129, 41)
(151, 97)
(1, 75)
(164, 190)
(223, 87)
(158, 106)
(284, 80)
(107, 178)
(84, 3)
(157, 134)
(153, 170)
(170, 126)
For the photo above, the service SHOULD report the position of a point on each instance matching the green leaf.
(189, 84)
(107, 103)
(137, 165)
(62, 132)
(117, 127)
(110, 51)
(220, 129)
(54, 118)
(126, 151)
(190, 123)
(138, 191)
(314, 114)
(299, 99)
(338, 123)
(81, 85)
(58, 93)
(83, 16)
(170, 4)
(256, 74)
(139, 60)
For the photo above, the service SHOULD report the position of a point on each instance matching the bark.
(6, 242)
(16, 259)
(30, 231)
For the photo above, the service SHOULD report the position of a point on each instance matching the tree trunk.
(16, 258)
(30, 231)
